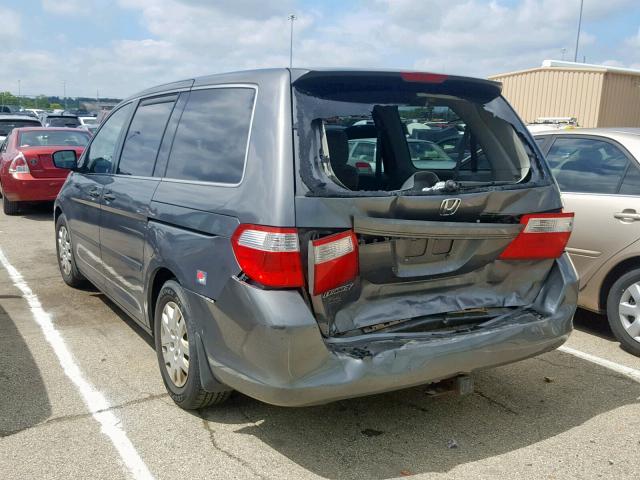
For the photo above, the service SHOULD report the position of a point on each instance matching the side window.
(540, 141)
(143, 139)
(631, 183)
(211, 140)
(99, 157)
(586, 165)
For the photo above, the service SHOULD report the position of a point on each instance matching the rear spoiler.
(392, 86)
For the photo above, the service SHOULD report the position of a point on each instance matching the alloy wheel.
(175, 343)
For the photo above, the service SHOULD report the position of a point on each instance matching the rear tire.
(174, 335)
(9, 207)
(623, 311)
(66, 260)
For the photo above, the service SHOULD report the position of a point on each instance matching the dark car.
(9, 122)
(222, 215)
(60, 120)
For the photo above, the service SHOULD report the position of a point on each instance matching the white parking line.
(629, 372)
(96, 402)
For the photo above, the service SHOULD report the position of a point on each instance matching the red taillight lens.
(19, 164)
(269, 255)
(333, 261)
(364, 167)
(545, 235)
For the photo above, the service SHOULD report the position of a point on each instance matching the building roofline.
(573, 66)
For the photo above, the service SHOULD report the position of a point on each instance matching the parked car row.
(282, 233)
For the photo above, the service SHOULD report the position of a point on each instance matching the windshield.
(63, 121)
(387, 140)
(45, 138)
(7, 125)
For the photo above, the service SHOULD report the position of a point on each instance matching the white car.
(88, 121)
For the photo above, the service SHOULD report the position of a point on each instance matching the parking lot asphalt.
(554, 416)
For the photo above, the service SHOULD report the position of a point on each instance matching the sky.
(118, 47)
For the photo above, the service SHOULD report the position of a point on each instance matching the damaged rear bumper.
(266, 344)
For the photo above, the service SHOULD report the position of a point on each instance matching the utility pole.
(19, 95)
(291, 18)
(575, 56)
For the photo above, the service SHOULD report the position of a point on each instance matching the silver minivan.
(221, 213)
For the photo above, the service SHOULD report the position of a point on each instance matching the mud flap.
(208, 381)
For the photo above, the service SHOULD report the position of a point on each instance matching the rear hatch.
(37, 146)
(414, 246)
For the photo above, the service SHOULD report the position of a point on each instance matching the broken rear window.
(381, 133)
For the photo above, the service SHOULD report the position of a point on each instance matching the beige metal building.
(597, 95)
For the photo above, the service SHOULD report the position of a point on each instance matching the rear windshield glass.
(63, 121)
(7, 125)
(44, 138)
(386, 135)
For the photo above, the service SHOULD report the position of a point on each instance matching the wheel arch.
(616, 272)
(57, 211)
(158, 279)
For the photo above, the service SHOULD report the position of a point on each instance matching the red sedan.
(27, 172)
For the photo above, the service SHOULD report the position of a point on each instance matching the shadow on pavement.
(593, 323)
(41, 212)
(407, 432)
(23, 396)
(125, 318)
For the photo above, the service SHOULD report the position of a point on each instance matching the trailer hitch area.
(460, 385)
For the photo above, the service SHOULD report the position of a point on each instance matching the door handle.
(627, 214)
(109, 196)
(94, 193)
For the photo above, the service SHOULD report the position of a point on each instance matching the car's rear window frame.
(317, 186)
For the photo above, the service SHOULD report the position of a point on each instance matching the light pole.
(291, 18)
(64, 93)
(19, 95)
(575, 56)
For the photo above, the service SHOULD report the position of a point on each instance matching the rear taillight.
(545, 235)
(364, 167)
(333, 261)
(269, 255)
(19, 164)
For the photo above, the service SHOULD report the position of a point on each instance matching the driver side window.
(99, 157)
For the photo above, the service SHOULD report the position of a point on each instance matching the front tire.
(174, 335)
(623, 311)
(9, 207)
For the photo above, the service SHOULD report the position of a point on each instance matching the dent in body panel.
(268, 345)
(334, 212)
(184, 252)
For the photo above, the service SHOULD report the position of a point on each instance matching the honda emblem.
(449, 206)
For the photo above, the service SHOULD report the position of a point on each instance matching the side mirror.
(66, 159)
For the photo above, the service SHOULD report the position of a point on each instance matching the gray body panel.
(269, 343)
